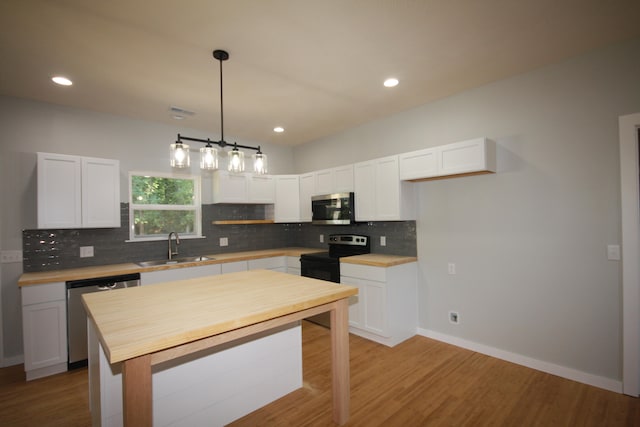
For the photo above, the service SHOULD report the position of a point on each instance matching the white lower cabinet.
(277, 263)
(385, 309)
(44, 326)
(234, 267)
(293, 265)
(153, 277)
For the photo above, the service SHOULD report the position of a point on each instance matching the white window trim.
(196, 207)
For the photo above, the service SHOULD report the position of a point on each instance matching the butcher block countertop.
(129, 268)
(378, 260)
(143, 320)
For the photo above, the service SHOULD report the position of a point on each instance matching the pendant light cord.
(221, 107)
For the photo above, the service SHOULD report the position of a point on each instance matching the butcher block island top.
(147, 319)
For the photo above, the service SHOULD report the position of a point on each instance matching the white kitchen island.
(207, 351)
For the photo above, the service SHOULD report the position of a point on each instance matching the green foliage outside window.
(162, 191)
(160, 205)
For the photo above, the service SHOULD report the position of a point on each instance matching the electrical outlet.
(7, 257)
(322, 238)
(86, 251)
(224, 241)
(454, 317)
(452, 268)
(383, 240)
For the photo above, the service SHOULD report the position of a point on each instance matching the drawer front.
(36, 294)
(378, 274)
(267, 263)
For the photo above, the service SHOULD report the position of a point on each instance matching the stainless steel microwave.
(332, 209)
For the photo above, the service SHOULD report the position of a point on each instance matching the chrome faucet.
(171, 253)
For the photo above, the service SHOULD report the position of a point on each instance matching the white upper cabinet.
(419, 164)
(334, 180)
(262, 189)
(379, 193)
(287, 206)
(100, 192)
(231, 187)
(343, 179)
(76, 192)
(307, 190)
(471, 157)
(324, 182)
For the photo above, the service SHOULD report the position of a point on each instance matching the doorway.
(630, 200)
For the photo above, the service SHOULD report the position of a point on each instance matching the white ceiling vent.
(180, 113)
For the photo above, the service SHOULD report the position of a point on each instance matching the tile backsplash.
(46, 250)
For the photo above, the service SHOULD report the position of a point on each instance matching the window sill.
(162, 239)
(243, 221)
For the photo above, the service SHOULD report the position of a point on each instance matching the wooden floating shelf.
(243, 221)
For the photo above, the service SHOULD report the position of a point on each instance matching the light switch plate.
(451, 267)
(613, 252)
(383, 240)
(7, 257)
(224, 241)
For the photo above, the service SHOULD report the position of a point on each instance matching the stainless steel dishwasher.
(77, 317)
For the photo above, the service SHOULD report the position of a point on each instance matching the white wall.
(29, 127)
(529, 242)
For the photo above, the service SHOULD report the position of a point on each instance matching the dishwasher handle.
(107, 287)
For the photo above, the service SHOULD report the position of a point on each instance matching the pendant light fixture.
(209, 154)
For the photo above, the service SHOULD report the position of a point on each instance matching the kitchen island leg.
(137, 392)
(340, 360)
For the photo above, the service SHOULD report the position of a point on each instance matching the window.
(162, 203)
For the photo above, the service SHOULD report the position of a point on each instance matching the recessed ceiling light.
(391, 82)
(62, 81)
(278, 129)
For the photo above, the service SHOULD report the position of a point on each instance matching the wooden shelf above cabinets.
(243, 221)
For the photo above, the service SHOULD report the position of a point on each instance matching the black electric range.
(326, 265)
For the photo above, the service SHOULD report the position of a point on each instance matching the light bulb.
(179, 155)
(236, 161)
(208, 158)
(260, 163)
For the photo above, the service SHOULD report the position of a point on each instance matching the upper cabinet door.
(78, 192)
(307, 189)
(100, 192)
(419, 164)
(230, 187)
(287, 206)
(364, 179)
(343, 179)
(324, 182)
(387, 183)
(261, 189)
(59, 191)
(467, 157)
(472, 157)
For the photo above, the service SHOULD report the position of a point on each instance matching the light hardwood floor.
(420, 382)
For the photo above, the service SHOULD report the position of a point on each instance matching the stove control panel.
(348, 239)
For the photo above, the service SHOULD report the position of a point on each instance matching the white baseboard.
(11, 361)
(550, 368)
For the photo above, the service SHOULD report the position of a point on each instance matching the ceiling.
(313, 67)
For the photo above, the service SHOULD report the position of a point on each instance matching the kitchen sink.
(180, 260)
